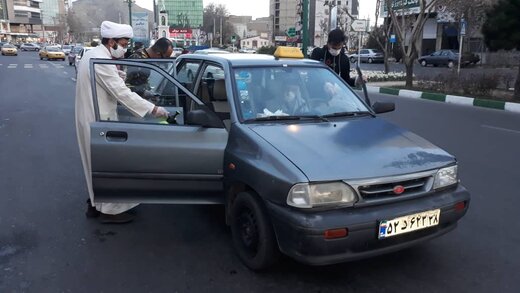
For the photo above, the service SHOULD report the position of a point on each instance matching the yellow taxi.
(9, 49)
(52, 52)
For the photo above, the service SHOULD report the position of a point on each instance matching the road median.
(460, 100)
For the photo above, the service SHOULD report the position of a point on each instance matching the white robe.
(110, 88)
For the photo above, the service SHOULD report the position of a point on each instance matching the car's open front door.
(146, 159)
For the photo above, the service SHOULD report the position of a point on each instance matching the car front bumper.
(300, 234)
(10, 53)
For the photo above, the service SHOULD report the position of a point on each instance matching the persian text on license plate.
(402, 225)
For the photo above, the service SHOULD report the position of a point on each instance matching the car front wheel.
(370, 60)
(451, 64)
(352, 60)
(423, 63)
(252, 232)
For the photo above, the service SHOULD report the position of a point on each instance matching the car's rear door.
(146, 160)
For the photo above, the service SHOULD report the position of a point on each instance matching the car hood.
(353, 149)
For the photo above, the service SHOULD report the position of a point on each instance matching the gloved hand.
(122, 74)
(160, 112)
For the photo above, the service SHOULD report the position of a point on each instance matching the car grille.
(379, 190)
(386, 190)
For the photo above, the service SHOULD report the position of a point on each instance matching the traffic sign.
(291, 32)
(393, 39)
(463, 28)
(233, 39)
(359, 25)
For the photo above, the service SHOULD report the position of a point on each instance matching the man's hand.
(122, 74)
(359, 82)
(160, 112)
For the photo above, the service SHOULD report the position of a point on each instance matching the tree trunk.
(516, 95)
(387, 67)
(408, 62)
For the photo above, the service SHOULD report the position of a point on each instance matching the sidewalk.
(387, 88)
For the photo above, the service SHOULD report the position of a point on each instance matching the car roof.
(236, 59)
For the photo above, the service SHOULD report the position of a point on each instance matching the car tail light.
(460, 206)
(335, 233)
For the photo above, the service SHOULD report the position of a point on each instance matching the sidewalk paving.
(386, 88)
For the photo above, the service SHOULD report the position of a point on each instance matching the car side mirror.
(380, 107)
(204, 118)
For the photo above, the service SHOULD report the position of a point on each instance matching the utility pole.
(221, 33)
(305, 27)
(129, 15)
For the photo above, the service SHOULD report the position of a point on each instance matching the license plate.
(410, 223)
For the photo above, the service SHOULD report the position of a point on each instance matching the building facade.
(23, 20)
(184, 13)
(254, 43)
(284, 15)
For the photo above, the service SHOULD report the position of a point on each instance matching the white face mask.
(334, 52)
(118, 53)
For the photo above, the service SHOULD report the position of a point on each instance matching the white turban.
(112, 30)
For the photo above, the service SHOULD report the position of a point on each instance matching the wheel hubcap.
(248, 231)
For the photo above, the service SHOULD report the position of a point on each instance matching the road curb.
(459, 100)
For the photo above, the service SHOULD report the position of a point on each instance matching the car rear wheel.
(451, 64)
(252, 232)
(370, 60)
(41, 58)
(423, 63)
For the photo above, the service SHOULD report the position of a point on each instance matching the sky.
(260, 8)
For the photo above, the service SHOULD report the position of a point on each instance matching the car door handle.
(117, 136)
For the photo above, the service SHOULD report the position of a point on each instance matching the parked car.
(29, 47)
(247, 50)
(369, 56)
(322, 178)
(80, 55)
(72, 55)
(211, 51)
(448, 58)
(9, 49)
(3, 43)
(52, 53)
(66, 49)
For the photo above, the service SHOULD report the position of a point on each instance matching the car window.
(364, 52)
(186, 73)
(53, 49)
(445, 53)
(438, 53)
(302, 91)
(211, 88)
(163, 93)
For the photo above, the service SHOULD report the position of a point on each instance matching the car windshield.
(297, 92)
(53, 49)
(67, 47)
(77, 49)
(8, 46)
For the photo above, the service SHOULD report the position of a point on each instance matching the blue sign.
(463, 28)
(393, 39)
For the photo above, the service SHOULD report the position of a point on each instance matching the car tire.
(70, 64)
(41, 58)
(252, 232)
(370, 60)
(451, 64)
(352, 60)
(424, 63)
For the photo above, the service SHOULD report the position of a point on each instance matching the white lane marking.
(459, 100)
(44, 66)
(73, 79)
(410, 94)
(65, 72)
(500, 128)
(12, 66)
(512, 107)
(27, 66)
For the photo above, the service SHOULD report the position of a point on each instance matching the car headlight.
(446, 177)
(305, 195)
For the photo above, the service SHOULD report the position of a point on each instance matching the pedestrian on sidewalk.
(111, 90)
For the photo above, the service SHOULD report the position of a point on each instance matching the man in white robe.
(111, 89)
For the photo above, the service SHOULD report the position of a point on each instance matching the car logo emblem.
(398, 189)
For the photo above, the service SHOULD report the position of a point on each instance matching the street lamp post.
(129, 14)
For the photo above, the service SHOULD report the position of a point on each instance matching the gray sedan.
(369, 56)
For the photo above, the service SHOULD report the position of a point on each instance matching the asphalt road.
(47, 244)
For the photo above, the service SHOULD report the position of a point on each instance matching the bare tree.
(408, 26)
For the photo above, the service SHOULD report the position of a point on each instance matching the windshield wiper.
(288, 117)
(274, 118)
(348, 114)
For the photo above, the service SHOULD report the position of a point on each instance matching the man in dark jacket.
(334, 56)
